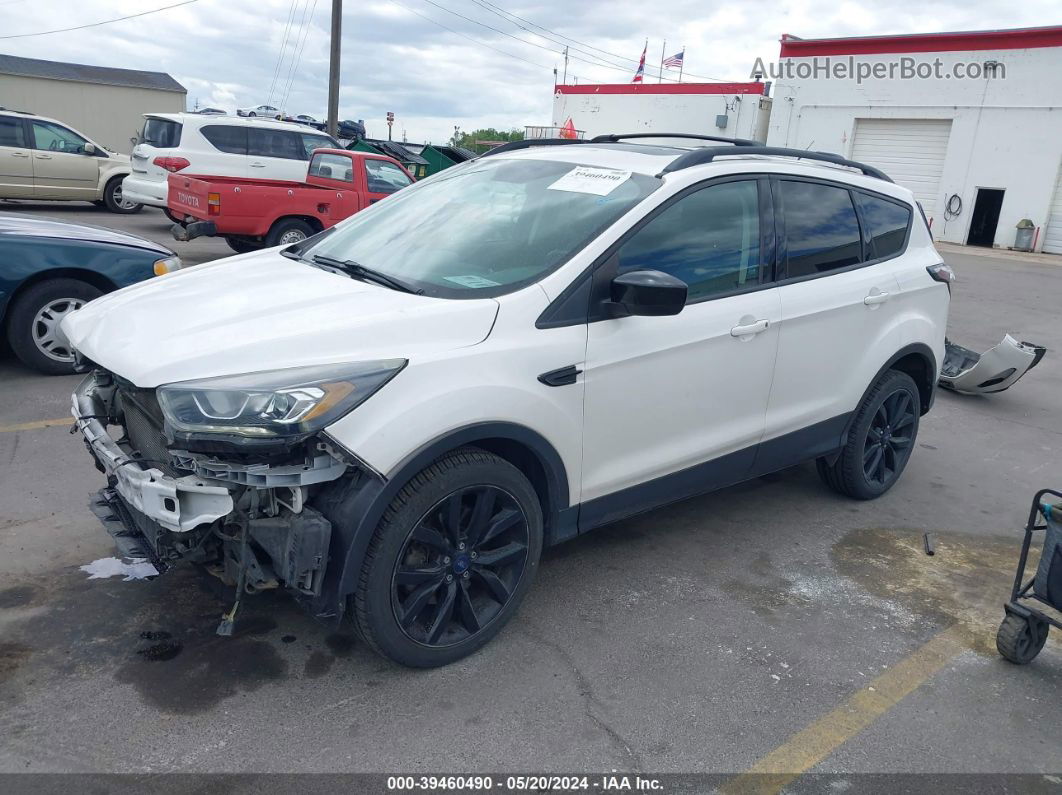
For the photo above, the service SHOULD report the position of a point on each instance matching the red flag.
(641, 65)
(568, 130)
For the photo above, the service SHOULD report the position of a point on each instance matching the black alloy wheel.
(460, 566)
(888, 439)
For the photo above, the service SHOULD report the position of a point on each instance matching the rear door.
(839, 304)
(276, 154)
(16, 160)
(222, 153)
(61, 169)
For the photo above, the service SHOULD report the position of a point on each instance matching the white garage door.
(1053, 233)
(911, 151)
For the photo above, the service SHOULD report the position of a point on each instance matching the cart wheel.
(1020, 639)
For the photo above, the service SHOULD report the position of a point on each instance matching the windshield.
(487, 227)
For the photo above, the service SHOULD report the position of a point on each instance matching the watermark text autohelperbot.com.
(852, 68)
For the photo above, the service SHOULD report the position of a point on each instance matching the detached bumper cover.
(998, 368)
(178, 504)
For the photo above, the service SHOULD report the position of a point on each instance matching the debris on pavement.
(131, 569)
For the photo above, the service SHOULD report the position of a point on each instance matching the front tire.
(451, 560)
(33, 324)
(112, 199)
(880, 440)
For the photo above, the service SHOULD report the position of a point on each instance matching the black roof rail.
(699, 157)
(616, 138)
(527, 143)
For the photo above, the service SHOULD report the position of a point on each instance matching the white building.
(980, 152)
(736, 110)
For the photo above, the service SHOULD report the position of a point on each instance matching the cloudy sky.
(441, 63)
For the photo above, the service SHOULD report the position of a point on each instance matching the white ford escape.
(394, 417)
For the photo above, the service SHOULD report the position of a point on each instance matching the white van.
(216, 146)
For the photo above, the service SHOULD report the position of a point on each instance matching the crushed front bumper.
(177, 504)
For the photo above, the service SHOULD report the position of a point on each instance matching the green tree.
(468, 139)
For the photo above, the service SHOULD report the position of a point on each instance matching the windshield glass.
(487, 227)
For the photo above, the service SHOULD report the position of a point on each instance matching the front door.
(683, 396)
(61, 169)
(16, 161)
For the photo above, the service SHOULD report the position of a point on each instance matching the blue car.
(50, 268)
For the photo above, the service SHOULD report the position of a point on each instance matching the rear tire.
(241, 246)
(288, 231)
(427, 594)
(112, 199)
(880, 440)
(177, 219)
(32, 324)
(1020, 639)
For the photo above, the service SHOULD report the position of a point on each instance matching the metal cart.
(1023, 632)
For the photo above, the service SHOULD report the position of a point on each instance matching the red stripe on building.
(1016, 39)
(662, 88)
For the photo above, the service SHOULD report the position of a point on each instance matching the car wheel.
(112, 198)
(241, 246)
(33, 324)
(288, 231)
(252, 114)
(880, 440)
(450, 561)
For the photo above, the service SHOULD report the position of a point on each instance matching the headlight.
(168, 265)
(276, 403)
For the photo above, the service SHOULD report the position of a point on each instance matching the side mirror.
(647, 292)
(89, 149)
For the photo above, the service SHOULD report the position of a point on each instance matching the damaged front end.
(970, 373)
(242, 507)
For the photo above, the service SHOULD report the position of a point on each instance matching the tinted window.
(275, 143)
(384, 177)
(709, 239)
(311, 142)
(227, 138)
(821, 230)
(12, 132)
(332, 167)
(57, 139)
(161, 133)
(886, 225)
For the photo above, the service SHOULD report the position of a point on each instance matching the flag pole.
(682, 63)
(663, 49)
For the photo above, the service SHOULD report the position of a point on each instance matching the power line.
(298, 57)
(97, 24)
(500, 11)
(280, 55)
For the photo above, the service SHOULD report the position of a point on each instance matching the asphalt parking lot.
(773, 627)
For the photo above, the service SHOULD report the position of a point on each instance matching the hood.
(262, 311)
(15, 225)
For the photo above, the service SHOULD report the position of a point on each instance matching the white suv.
(217, 146)
(395, 416)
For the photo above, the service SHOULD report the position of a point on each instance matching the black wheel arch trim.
(930, 362)
(355, 516)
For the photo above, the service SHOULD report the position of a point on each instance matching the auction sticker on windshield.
(599, 181)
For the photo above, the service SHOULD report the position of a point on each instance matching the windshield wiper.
(358, 270)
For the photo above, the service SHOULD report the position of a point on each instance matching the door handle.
(44, 157)
(257, 165)
(876, 298)
(20, 154)
(748, 329)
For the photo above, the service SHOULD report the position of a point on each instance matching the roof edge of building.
(952, 41)
(661, 88)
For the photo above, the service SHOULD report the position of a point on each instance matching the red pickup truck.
(252, 213)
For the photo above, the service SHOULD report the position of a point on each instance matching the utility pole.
(333, 67)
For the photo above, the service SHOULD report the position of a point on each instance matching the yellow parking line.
(811, 745)
(36, 424)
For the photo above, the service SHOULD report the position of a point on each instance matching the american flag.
(640, 74)
(675, 60)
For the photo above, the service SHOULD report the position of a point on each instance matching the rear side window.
(275, 143)
(821, 228)
(332, 167)
(161, 133)
(227, 138)
(12, 133)
(886, 225)
(311, 142)
(709, 239)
